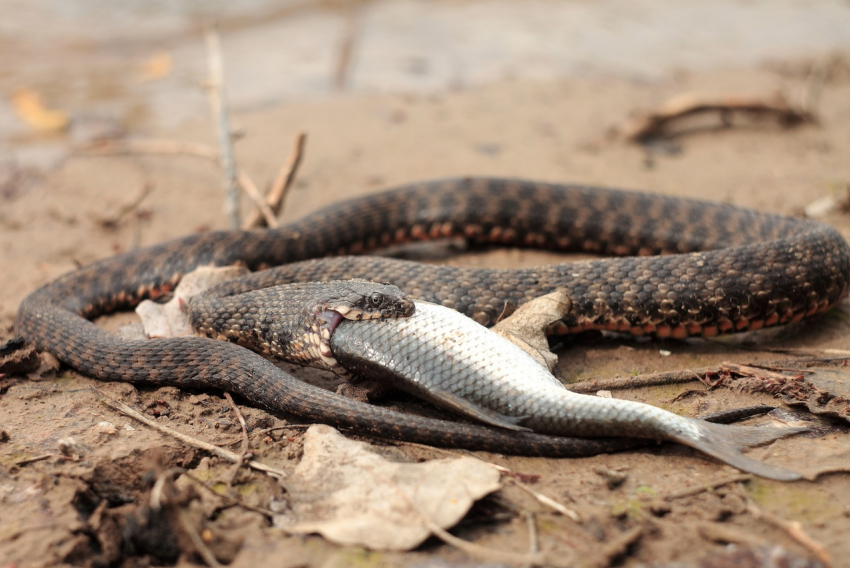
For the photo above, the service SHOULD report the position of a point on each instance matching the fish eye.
(376, 299)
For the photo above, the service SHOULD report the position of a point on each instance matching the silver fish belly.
(451, 360)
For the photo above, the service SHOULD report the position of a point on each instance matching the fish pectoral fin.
(472, 410)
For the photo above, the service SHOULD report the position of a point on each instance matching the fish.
(447, 358)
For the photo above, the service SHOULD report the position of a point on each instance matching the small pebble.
(107, 427)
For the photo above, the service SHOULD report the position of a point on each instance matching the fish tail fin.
(725, 441)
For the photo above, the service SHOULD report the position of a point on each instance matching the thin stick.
(244, 450)
(42, 457)
(549, 502)
(232, 457)
(711, 486)
(533, 544)
(794, 530)
(346, 47)
(260, 202)
(157, 499)
(655, 124)
(215, 89)
(754, 371)
(688, 375)
(197, 541)
(638, 381)
(282, 183)
(245, 441)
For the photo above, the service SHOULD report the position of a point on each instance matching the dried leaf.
(30, 107)
(353, 496)
(526, 327)
(157, 66)
(169, 319)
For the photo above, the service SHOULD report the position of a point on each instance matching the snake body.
(731, 269)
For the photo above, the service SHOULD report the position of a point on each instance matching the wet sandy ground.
(549, 127)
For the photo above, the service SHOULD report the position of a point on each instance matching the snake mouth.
(326, 324)
(332, 320)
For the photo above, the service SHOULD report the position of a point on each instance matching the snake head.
(361, 299)
(354, 300)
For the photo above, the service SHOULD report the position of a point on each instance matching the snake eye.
(376, 299)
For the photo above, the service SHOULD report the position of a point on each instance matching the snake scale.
(703, 269)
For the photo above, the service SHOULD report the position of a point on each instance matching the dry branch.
(661, 123)
(232, 457)
(281, 186)
(215, 89)
(794, 530)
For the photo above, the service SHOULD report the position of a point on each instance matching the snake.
(680, 268)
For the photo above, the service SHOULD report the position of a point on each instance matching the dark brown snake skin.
(755, 270)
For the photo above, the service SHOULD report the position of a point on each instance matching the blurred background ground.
(392, 92)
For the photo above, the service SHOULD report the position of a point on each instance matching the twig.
(698, 374)
(549, 502)
(282, 182)
(711, 486)
(794, 530)
(244, 451)
(533, 544)
(656, 124)
(215, 89)
(197, 541)
(232, 457)
(639, 381)
(157, 499)
(242, 423)
(753, 371)
(346, 47)
(260, 202)
(42, 457)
